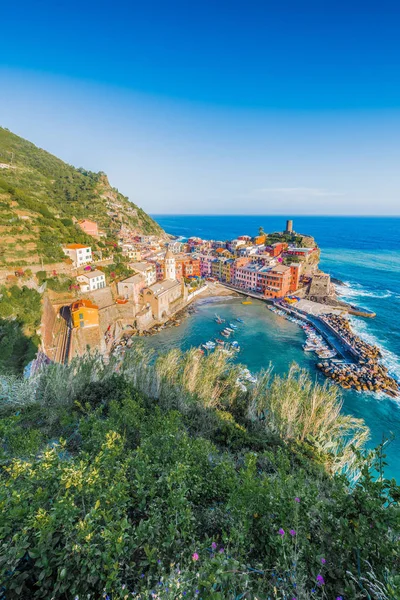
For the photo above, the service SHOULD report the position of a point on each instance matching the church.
(165, 297)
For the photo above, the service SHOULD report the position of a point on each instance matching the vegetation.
(20, 311)
(40, 193)
(160, 478)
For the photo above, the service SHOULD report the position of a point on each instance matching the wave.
(350, 291)
(389, 359)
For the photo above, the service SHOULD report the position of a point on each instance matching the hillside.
(41, 197)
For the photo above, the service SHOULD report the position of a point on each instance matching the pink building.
(205, 264)
(246, 276)
(89, 227)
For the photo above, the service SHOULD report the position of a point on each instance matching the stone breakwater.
(366, 373)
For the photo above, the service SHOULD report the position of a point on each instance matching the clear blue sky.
(214, 106)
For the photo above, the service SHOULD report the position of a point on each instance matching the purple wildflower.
(292, 532)
(323, 560)
(320, 580)
(159, 561)
(297, 499)
(195, 556)
(213, 545)
(281, 532)
(221, 550)
(142, 575)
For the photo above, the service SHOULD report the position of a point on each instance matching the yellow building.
(226, 266)
(84, 314)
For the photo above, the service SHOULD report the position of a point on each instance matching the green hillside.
(41, 197)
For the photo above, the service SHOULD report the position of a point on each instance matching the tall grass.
(293, 407)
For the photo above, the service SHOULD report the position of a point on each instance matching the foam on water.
(350, 291)
(389, 359)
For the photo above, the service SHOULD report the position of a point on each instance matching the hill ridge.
(42, 198)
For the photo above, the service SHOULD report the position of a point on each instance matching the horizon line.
(388, 216)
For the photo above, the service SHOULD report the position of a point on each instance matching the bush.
(174, 492)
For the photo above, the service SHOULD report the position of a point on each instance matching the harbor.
(348, 360)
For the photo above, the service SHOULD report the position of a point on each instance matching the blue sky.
(214, 107)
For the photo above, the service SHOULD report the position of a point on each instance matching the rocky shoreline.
(367, 373)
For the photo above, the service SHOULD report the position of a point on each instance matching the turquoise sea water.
(362, 252)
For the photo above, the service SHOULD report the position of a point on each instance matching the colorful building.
(190, 267)
(260, 239)
(295, 272)
(79, 254)
(131, 288)
(275, 282)
(148, 270)
(89, 227)
(84, 314)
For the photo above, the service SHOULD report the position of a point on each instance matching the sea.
(363, 253)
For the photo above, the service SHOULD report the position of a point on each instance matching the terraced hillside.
(42, 197)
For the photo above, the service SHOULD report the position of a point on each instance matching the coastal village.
(161, 276)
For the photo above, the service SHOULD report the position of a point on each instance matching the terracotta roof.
(76, 246)
(83, 304)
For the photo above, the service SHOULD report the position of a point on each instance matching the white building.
(79, 254)
(146, 269)
(175, 246)
(94, 280)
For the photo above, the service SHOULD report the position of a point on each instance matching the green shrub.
(167, 494)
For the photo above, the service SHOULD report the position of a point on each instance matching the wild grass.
(295, 407)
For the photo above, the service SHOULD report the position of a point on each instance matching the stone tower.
(289, 226)
(170, 270)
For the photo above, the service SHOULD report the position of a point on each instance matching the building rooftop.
(141, 266)
(75, 246)
(87, 221)
(92, 274)
(83, 304)
(280, 269)
(133, 279)
(163, 286)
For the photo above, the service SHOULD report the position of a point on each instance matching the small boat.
(239, 319)
(219, 320)
(247, 301)
(229, 329)
(209, 345)
(233, 326)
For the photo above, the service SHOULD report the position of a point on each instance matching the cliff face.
(42, 197)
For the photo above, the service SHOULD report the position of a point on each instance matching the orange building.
(84, 314)
(188, 267)
(295, 272)
(276, 249)
(89, 227)
(260, 239)
(275, 282)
